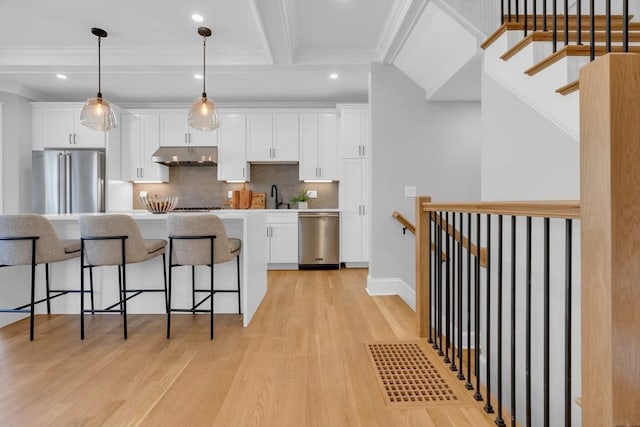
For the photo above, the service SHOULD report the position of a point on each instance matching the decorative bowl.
(159, 204)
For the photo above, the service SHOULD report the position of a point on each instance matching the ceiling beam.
(289, 13)
(401, 21)
(257, 16)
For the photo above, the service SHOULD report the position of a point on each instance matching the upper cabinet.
(318, 146)
(354, 130)
(58, 126)
(232, 149)
(272, 137)
(175, 131)
(140, 137)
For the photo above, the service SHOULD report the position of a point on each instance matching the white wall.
(16, 153)
(524, 155)
(434, 146)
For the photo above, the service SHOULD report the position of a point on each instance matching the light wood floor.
(300, 363)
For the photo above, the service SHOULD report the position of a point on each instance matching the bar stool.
(200, 240)
(115, 239)
(30, 239)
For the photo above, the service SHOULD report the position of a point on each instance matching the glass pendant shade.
(204, 114)
(98, 114)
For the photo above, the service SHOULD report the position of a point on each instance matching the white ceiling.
(262, 50)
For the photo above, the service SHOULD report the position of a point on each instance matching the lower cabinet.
(282, 234)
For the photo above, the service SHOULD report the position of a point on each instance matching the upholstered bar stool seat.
(114, 239)
(200, 240)
(30, 239)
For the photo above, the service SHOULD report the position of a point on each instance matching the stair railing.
(460, 291)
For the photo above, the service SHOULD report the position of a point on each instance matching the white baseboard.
(392, 286)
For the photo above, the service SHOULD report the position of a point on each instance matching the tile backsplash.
(198, 186)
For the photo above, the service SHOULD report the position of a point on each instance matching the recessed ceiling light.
(333, 76)
(61, 76)
(197, 18)
(197, 76)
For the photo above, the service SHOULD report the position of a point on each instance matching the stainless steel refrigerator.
(68, 181)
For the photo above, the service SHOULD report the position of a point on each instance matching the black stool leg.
(81, 289)
(33, 292)
(124, 289)
(169, 293)
(122, 295)
(238, 271)
(193, 287)
(212, 287)
(164, 273)
(91, 286)
(46, 279)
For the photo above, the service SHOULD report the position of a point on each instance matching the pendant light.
(97, 112)
(203, 114)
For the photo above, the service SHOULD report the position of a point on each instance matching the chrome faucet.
(277, 202)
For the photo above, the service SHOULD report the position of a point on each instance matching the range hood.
(186, 156)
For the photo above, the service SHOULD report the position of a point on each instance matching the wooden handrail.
(545, 209)
(465, 241)
(404, 221)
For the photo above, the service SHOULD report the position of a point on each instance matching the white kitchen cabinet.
(318, 147)
(232, 149)
(354, 206)
(354, 130)
(175, 131)
(272, 137)
(58, 126)
(282, 234)
(140, 139)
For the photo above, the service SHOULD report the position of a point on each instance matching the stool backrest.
(109, 252)
(49, 248)
(198, 252)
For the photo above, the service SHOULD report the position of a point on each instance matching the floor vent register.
(406, 376)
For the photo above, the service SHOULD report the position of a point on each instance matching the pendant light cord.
(99, 67)
(204, 66)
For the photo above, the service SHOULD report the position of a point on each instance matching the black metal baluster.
(567, 323)
(453, 366)
(544, 15)
(625, 25)
(592, 31)
(513, 321)
(535, 15)
(579, 22)
(469, 385)
(432, 270)
(487, 407)
(528, 328)
(477, 395)
(499, 419)
(517, 10)
(554, 17)
(502, 11)
(447, 310)
(437, 284)
(526, 18)
(509, 9)
(566, 22)
(460, 374)
(440, 352)
(546, 320)
(608, 20)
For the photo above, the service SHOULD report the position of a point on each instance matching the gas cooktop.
(196, 209)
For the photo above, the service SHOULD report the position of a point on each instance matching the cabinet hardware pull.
(69, 138)
(363, 151)
(189, 138)
(141, 172)
(320, 174)
(243, 173)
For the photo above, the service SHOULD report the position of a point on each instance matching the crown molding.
(398, 28)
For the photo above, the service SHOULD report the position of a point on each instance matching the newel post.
(423, 248)
(610, 240)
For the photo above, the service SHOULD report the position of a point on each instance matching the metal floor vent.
(406, 376)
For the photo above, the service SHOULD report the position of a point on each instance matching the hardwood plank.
(301, 362)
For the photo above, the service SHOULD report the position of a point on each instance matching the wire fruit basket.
(159, 204)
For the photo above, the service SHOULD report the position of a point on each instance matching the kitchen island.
(248, 226)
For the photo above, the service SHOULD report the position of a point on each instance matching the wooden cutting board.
(258, 200)
(245, 198)
(235, 199)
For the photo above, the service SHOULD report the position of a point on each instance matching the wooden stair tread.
(547, 36)
(573, 50)
(569, 88)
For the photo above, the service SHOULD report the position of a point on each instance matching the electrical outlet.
(312, 194)
(410, 191)
(143, 194)
(229, 194)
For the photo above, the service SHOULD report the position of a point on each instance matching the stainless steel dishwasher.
(318, 240)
